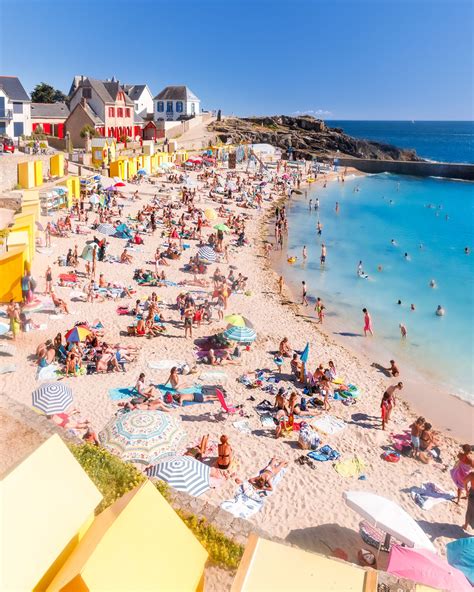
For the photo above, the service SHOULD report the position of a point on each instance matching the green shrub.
(222, 550)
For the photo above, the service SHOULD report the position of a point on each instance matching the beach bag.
(308, 439)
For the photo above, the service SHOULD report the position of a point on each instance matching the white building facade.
(142, 98)
(15, 108)
(176, 102)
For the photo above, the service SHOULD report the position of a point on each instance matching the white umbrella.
(94, 199)
(389, 517)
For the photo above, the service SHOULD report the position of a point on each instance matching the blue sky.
(341, 59)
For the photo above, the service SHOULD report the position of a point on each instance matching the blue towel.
(117, 394)
(165, 388)
(324, 453)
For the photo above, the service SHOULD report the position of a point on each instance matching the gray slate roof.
(134, 91)
(14, 88)
(107, 90)
(53, 110)
(176, 93)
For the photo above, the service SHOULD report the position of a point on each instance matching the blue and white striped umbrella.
(240, 334)
(106, 229)
(52, 397)
(207, 254)
(183, 473)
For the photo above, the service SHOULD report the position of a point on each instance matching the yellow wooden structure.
(103, 151)
(26, 174)
(56, 165)
(12, 265)
(132, 166)
(139, 543)
(23, 234)
(295, 569)
(73, 185)
(180, 156)
(148, 147)
(154, 163)
(163, 157)
(119, 168)
(47, 504)
(30, 203)
(38, 168)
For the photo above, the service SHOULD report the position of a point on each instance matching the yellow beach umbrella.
(210, 214)
(236, 320)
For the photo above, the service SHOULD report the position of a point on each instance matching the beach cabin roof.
(176, 93)
(138, 543)
(14, 88)
(308, 570)
(101, 142)
(49, 110)
(45, 502)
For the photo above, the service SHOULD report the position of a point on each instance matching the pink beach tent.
(425, 567)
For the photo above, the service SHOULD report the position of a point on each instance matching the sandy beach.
(307, 507)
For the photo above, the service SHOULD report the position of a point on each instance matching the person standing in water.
(310, 204)
(319, 228)
(304, 294)
(323, 254)
(367, 323)
(316, 205)
(305, 253)
(337, 207)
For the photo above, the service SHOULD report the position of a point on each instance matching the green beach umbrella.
(222, 227)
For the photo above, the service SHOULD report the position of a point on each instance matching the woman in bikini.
(224, 451)
(263, 482)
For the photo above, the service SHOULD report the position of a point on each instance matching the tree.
(88, 129)
(45, 93)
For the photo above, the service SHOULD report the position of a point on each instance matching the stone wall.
(416, 169)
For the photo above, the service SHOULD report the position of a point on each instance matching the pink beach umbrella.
(425, 567)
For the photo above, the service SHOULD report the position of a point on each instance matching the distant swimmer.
(379, 268)
(310, 204)
(360, 272)
(337, 207)
(323, 254)
(399, 303)
(305, 254)
(391, 202)
(407, 257)
(421, 245)
(467, 251)
(393, 243)
(316, 205)
(319, 228)
(403, 330)
(432, 284)
(412, 307)
(440, 311)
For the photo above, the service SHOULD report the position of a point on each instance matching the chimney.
(83, 102)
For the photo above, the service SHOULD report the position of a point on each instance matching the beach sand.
(307, 508)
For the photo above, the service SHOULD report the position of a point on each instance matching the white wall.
(94, 102)
(145, 102)
(174, 115)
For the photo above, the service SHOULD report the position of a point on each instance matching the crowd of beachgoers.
(156, 297)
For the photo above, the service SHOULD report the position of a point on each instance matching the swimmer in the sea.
(407, 257)
(432, 284)
(379, 268)
(412, 307)
(440, 311)
(337, 207)
(316, 205)
(467, 251)
(310, 204)
(403, 330)
(359, 269)
(399, 303)
(391, 202)
(305, 254)
(319, 228)
(421, 245)
(393, 242)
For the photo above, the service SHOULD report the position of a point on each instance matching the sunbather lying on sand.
(264, 480)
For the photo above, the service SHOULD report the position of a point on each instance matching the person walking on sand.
(464, 465)
(188, 320)
(304, 294)
(367, 323)
(390, 400)
(49, 280)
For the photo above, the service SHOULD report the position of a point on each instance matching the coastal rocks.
(307, 136)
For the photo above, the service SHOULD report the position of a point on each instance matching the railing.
(6, 114)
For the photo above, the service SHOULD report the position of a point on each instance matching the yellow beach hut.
(47, 503)
(139, 543)
(309, 571)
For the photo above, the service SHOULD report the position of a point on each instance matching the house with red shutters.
(49, 118)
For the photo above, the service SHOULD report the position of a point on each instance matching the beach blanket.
(7, 350)
(350, 468)
(247, 500)
(429, 495)
(7, 368)
(50, 372)
(4, 328)
(267, 420)
(325, 453)
(213, 377)
(164, 364)
(243, 426)
(328, 424)
(191, 390)
(117, 394)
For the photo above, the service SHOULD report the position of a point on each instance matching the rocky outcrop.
(307, 136)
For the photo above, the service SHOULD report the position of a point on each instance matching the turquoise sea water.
(447, 141)
(390, 207)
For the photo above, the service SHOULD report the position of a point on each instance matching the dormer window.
(86, 93)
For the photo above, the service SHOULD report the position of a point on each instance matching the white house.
(15, 108)
(141, 97)
(176, 102)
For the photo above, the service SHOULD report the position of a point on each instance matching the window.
(127, 112)
(119, 112)
(160, 106)
(169, 106)
(87, 93)
(193, 108)
(17, 128)
(111, 112)
(179, 106)
(17, 107)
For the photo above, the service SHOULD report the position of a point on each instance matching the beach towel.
(214, 377)
(7, 368)
(49, 373)
(328, 424)
(267, 421)
(350, 468)
(165, 388)
(243, 426)
(7, 350)
(117, 394)
(325, 453)
(164, 364)
(429, 495)
(4, 328)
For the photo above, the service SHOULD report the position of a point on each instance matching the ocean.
(446, 141)
(429, 219)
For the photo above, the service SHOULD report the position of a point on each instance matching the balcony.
(6, 114)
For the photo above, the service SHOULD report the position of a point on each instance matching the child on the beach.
(416, 429)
